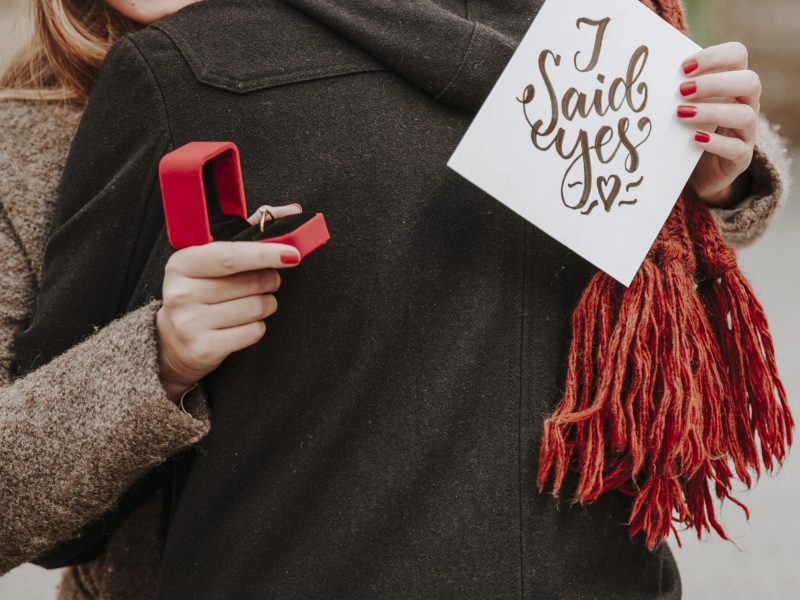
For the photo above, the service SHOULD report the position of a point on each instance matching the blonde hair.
(68, 44)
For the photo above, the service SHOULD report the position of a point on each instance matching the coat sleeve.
(107, 219)
(771, 176)
(108, 211)
(77, 432)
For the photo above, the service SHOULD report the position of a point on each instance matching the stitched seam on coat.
(152, 174)
(520, 411)
(299, 76)
(157, 84)
(83, 585)
(472, 36)
(274, 80)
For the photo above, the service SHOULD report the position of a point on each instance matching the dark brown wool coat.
(380, 441)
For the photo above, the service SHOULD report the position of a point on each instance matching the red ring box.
(196, 171)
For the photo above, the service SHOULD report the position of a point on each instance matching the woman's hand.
(216, 298)
(721, 91)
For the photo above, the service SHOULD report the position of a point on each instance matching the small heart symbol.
(603, 184)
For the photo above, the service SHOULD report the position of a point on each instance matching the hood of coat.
(453, 49)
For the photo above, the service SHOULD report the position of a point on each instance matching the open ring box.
(203, 197)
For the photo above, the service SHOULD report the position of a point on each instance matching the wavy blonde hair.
(69, 42)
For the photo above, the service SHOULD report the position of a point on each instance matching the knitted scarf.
(671, 388)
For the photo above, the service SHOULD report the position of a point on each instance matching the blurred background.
(764, 561)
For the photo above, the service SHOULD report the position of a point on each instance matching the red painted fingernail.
(688, 88)
(690, 66)
(290, 258)
(702, 137)
(686, 111)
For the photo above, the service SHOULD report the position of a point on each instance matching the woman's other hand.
(720, 90)
(215, 300)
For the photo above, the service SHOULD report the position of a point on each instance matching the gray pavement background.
(763, 563)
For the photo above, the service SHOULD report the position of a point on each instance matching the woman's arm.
(108, 220)
(77, 432)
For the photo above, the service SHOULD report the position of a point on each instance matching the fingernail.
(686, 111)
(290, 258)
(702, 137)
(690, 66)
(688, 88)
(297, 205)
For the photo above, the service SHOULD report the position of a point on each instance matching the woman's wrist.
(175, 382)
(731, 196)
(175, 391)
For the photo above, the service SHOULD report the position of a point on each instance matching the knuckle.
(181, 260)
(184, 323)
(176, 296)
(173, 266)
(186, 338)
(274, 280)
(270, 304)
(200, 353)
(741, 51)
(227, 259)
(755, 79)
(255, 281)
(266, 280)
(256, 331)
(170, 300)
(743, 153)
(248, 281)
(256, 306)
(183, 296)
(750, 118)
(176, 300)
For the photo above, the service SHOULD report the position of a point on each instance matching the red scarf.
(672, 385)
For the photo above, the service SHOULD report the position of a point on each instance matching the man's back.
(380, 441)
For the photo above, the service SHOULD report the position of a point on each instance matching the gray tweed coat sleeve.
(75, 433)
(748, 220)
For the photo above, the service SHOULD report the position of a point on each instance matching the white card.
(605, 185)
